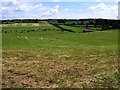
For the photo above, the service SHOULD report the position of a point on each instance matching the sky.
(58, 9)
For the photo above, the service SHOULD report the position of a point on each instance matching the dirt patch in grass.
(32, 69)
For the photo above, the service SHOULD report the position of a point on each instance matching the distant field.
(27, 27)
(56, 59)
(78, 28)
(25, 24)
(75, 29)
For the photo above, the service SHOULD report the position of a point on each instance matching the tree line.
(104, 23)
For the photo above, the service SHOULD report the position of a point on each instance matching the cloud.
(107, 0)
(66, 9)
(39, 7)
(14, 1)
(24, 8)
(98, 0)
(56, 0)
(10, 3)
(2, 8)
(27, 7)
(103, 7)
(104, 10)
(7, 13)
(19, 9)
(51, 11)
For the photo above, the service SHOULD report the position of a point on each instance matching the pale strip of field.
(36, 24)
(15, 24)
(4, 25)
(25, 24)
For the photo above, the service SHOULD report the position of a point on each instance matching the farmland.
(78, 29)
(75, 29)
(51, 58)
(26, 27)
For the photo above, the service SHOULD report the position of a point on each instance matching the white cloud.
(12, 1)
(103, 6)
(51, 11)
(98, 7)
(66, 9)
(104, 10)
(56, 0)
(98, 0)
(15, 1)
(27, 7)
(38, 7)
(60, 1)
(2, 9)
(107, 0)
(24, 8)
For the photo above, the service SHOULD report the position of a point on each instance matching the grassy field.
(52, 59)
(79, 28)
(75, 29)
(25, 24)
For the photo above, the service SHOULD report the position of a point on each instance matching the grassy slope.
(58, 39)
(60, 59)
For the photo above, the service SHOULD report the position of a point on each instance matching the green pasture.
(75, 29)
(78, 28)
(28, 28)
(55, 39)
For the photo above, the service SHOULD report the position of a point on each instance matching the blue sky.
(69, 9)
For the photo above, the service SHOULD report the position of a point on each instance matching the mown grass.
(60, 59)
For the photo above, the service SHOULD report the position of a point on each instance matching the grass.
(26, 27)
(79, 28)
(58, 39)
(25, 24)
(60, 59)
(75, 29)
(96, 29)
